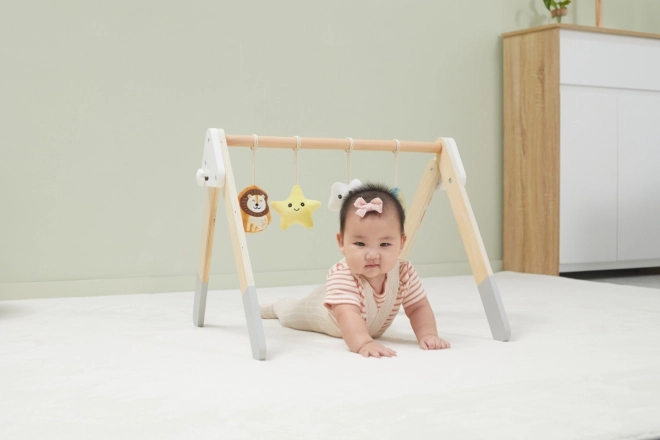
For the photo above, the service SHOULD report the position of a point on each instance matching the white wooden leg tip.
(255, 327)
(199, 307)
(497, 319)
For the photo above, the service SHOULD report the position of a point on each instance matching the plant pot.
(559, 13)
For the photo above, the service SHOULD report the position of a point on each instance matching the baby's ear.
(340, 242)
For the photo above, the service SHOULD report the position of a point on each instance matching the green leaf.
(547, 4)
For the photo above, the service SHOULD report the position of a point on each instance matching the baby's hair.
(368, 192)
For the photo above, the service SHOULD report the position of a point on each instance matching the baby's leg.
(268, 310)
(307, 313)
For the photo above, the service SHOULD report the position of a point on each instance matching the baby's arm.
(355, 334)
(423, 324)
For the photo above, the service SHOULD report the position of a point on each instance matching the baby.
(364, 291)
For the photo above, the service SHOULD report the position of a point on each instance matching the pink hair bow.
(364, 207)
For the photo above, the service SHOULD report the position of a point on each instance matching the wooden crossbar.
(307, 143)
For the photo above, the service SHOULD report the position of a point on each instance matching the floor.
(647, 277)
(582, 363)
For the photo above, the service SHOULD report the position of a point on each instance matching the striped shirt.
(344, 287)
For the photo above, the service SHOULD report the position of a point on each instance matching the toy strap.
(295, 159)
(348, 159)
(254, 159)
(396, 163)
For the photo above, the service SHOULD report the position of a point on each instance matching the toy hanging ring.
(255, 145)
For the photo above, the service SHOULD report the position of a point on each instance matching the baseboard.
(125, 286)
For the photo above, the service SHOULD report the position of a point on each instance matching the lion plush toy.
(254, 209)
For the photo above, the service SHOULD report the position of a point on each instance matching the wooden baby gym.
(249, 212)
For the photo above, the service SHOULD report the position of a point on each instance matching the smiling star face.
(296, 209)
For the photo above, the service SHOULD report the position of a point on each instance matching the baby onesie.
(313, 313)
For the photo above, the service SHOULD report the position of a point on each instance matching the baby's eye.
(359, 243)
(385, 244)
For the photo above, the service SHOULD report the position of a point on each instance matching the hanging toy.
(296, 208)
(340, 190)
(254, 201)
(396, 191)
(254, 209)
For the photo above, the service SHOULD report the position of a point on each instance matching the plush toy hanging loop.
(254, 158)
(254, 200)
(396, 163)
(396, 191)
(339, 190)
(348, 158)
(296, 208)
(295, 159)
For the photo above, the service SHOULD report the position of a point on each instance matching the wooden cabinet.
(581, 149)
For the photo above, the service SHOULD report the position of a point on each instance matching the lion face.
(254, 202)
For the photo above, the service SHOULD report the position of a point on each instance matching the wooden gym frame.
(445, 170)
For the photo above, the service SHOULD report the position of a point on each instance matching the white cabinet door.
(639, 176)
(588, 176)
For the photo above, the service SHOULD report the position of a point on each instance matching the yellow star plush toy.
(296, 209)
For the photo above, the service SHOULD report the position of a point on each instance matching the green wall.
(104, 107)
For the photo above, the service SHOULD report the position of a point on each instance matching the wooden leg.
(242, 258)
(206, 249)
(467, 225)
(427, 186)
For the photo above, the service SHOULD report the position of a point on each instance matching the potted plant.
(557, 8)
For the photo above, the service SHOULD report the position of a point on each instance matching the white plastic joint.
(212, 172)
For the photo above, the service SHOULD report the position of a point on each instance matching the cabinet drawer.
(603, 60)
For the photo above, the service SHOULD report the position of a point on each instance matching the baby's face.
(371, 244)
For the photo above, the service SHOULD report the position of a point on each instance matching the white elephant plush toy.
(339, 191)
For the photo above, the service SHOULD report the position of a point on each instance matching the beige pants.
(307, 313)
(311, 315)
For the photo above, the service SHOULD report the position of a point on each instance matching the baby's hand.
(376, 350)
(432, 342)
